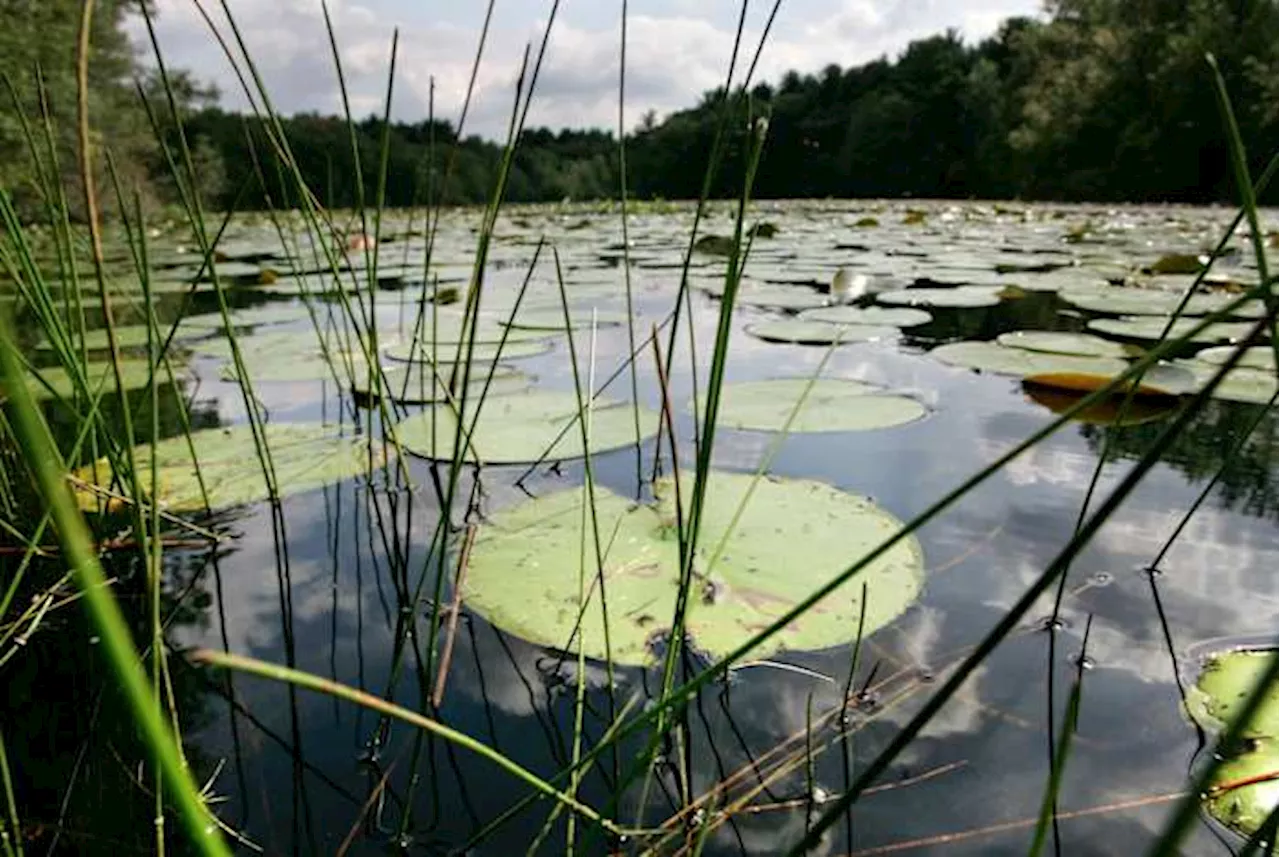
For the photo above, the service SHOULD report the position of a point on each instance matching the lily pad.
(1111, 411)
(1150, 328)
(303, 456)
(553, 319)
(418, 384)
(767, 296)
(1242, 384)
(959, 297)
(522, 428)
(482, 352)
(1178, 263)
(801, 332)
(1220, 692)
(1254, 357)
(1053, 342)
(53, 382)
(872, 315)
(127, 336)
(793, 536)
(1122, 300)
(832, 404)
(1002, 360)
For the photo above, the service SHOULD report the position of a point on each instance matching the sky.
(676, 50)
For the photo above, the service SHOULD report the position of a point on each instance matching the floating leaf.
(553, 318)
(1122, 300)
(1002, 360)
(866, 222)
(303, 457)
(418, 384)
(1053, 342)
(1162, 380)
(521, 428)
(54, 382)
(768, 296)
(482, 352)
(1242, 384)
(1152, 328)
(959, 297)
(714, 245)
(1111, 411)
(127, 336)
(872, 315)
(310, 366)
(1254, 357)
(793, 536)
(800, 332)
(1224, 684)
(832, 404)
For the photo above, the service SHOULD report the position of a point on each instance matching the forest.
(1098, 100)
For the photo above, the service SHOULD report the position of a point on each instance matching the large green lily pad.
(441, 353)
(832, 404)
(304, 457)
(53, 382)
(523, 427)
(1054, 342)
(1150, 328)
(872, 315)
(1219, 695)
(793, 536)
(768, 296)
(420, 384)
(802, 332)
(1003, 360)
(1254, 357)
(127, 336)
(548, 318)
(1122, 300)
(1242, 384)
(959, 297)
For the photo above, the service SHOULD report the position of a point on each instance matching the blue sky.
(676, 50)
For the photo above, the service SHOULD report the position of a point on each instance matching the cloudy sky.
(676, 50)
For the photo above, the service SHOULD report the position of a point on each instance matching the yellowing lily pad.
(523, 427)
(1050, 392)
(802, 332)
(832, 404)
(793, 536)
(304, 457)
(872, 315)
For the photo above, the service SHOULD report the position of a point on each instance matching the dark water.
(322, 589)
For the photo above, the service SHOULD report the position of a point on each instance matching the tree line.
(1098, 100)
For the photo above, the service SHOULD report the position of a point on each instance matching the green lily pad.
(1122, 300)
(53, 381)
(553, 318)
(310, 366)
(1254, 357)
(521, 428)
(482, 352)
(793, 536)
(1150, 328)
(1220, 692)
(832, 404)
(1178, 263)
(1003, 360)
(959, 297)
(872, 315)
(127, 336)
(801, 332)
(768, 296)
(1053, 342)
(418, 384)
(304, 457)
(1242, 384)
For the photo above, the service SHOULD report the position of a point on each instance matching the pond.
(339, 580)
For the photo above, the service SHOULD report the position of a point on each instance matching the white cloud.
(673, 55)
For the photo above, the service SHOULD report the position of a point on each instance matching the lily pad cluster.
(530, 575)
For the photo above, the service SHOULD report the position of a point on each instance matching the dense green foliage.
(1101, 100)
